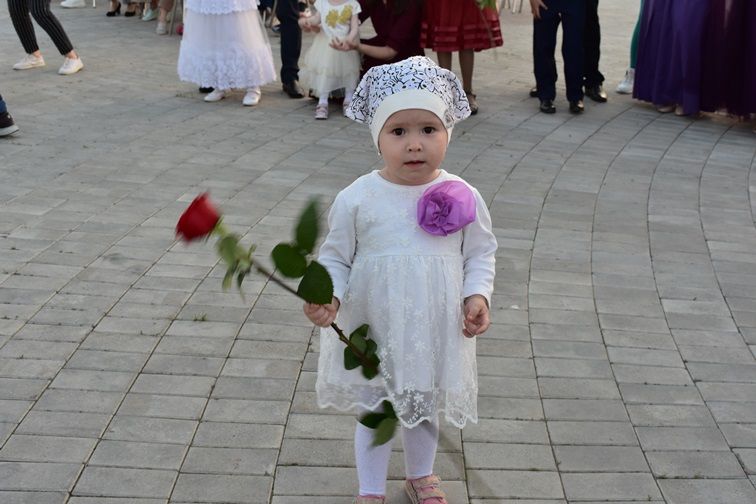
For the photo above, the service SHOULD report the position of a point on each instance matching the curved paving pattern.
(620, 366)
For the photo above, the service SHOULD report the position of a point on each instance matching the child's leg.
(372, 461)
(420, 445)
(349, 93)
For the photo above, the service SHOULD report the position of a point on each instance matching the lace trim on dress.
(235, 71)
(220, 6)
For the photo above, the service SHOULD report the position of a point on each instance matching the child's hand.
(476, 316)
(322, 315)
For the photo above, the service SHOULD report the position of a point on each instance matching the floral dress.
(326, 69)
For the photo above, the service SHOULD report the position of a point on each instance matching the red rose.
(198, 220)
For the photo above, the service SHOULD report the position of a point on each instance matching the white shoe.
(70, 66)
(252, 97)
(73, 4)
(215, 95)
(149, 14)
(161, 29)
(626, 86)
(29, 61)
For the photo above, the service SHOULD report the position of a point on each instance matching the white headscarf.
(414, 83)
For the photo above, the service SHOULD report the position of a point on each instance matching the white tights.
(420, 444)
(348, 94)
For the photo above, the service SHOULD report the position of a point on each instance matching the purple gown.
(669, 53)
(729, 57)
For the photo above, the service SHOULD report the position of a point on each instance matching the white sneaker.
(73, 4)
(626, 86)
(215, 95)
(29, 61)
(161, 29)
(149, 14)
(70, 66)
(252, 97)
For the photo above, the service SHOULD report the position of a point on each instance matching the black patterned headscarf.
(414, 83)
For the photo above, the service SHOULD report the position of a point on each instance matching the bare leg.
(466, 63)
(444, 60)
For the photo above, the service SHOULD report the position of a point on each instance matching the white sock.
(420, 445)
(372, 461)
(323, 99)
(348, 95)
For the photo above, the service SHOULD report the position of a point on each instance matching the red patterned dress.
(455, 25)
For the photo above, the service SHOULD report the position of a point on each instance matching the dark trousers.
(592, 45)
(287, 12)
(40, 10)
(571, 13)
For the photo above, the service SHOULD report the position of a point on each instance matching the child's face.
(413, 145)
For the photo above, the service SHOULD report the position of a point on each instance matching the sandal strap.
(426, 488)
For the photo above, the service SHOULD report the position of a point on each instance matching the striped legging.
(40, 9)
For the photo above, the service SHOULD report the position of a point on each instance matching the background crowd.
(686, 56)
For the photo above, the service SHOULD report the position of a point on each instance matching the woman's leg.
(19, 13)
(372, 461)
(420, 445)
(40, 10)
(466, 64)
(444, 60)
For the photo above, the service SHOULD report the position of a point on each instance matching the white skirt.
(326, 69)
(225, 51)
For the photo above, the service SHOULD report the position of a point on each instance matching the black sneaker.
(206, 90)
(293, 89)
(7, 126)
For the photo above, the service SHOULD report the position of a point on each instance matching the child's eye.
(397, 131)
(428, 130)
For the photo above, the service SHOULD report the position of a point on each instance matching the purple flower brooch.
(446, 208)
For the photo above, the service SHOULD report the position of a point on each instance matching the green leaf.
(371, 420)
(289, 261)
(350, 359)
(388, 409)
(240, 278)
(228, 278)
(385, 431)
(316, 285)
(358, 341)
(307, 230)
(372, 348)
(371, 370)
(227, 248)
(362, 331)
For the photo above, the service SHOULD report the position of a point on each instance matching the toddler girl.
(225, 47)
(411, 253)
(326, 68)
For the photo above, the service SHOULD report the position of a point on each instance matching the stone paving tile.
(222, 488)
(700, 491)
(124, 482)
(21, 497)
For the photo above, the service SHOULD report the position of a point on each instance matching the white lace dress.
(224, 45)
(325, 69)
(409, 286)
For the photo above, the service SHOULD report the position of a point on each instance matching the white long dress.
(224, 45)
(325, 69)
(409, 286)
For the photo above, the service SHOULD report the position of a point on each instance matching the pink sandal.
(425, 490)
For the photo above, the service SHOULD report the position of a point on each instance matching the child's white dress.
(409, 286)
(224, 45)
(326, 69)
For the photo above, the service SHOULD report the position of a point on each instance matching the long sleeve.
(337, 251)
(479, 250)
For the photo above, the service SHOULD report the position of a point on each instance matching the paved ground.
(618, 368)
